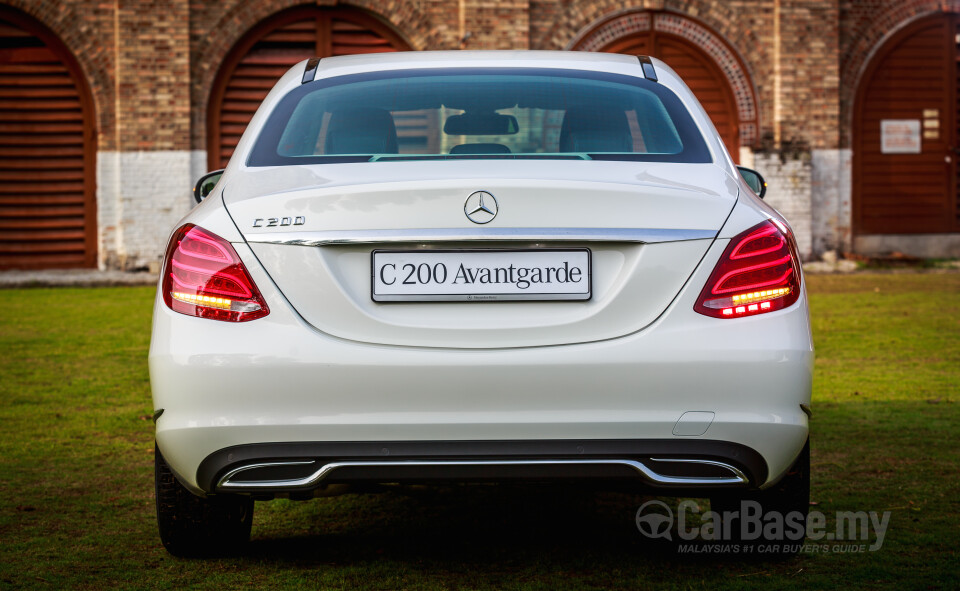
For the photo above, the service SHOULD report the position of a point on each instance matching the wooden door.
(905, 133)
(47, 152)
(698, 70)
(269, 50)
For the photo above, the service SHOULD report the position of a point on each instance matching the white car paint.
(329, 364)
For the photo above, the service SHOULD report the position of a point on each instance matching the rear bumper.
(299, 467)
(277, 381)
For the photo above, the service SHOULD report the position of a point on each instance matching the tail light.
(203, 276)
(759, 272)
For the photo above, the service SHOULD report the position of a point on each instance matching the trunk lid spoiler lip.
(307, 180)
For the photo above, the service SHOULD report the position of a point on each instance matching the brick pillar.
(816, 197)
(147, 178)
(809, 71)
(495, 24)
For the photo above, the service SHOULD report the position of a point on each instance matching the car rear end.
(622, 309)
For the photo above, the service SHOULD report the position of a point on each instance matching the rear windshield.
(479, 114)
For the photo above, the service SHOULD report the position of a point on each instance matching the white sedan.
(477, 266)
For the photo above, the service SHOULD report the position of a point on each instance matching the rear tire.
(788, 501)
(192, 526)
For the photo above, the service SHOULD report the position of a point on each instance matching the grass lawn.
(76, 470)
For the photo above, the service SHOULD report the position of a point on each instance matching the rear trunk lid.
(644, 227)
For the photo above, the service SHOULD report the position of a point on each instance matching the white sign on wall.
(900, 136)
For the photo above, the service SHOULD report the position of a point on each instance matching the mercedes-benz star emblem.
(480, 207)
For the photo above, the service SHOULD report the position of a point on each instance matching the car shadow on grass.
(548, 527)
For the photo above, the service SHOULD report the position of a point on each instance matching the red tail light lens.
(203, 276)
(759, 272)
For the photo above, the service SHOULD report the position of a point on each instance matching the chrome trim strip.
(325, 470)
(415, 235)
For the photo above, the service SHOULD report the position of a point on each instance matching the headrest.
(361, 131)
(587, 129)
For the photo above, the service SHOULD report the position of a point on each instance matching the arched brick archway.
(48, 144)
(268, 50)
(710, 66)
(94, 57)
(405, 19)
(868, 30)
(578, 19)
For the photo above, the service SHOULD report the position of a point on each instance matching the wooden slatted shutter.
(47, 193)
(913, 77)
(700, 73)
(708, 84)
(252, 78)
(268, 51)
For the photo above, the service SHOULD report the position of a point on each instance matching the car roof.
(609, 62)
(494, 56)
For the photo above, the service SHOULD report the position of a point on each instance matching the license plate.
(480, 275)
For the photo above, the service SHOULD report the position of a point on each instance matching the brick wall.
(822, 43)
(788, 190)
(151, 64)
